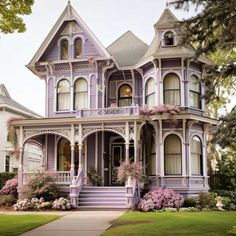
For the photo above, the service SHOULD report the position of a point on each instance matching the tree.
(212, 31)
(11, 12)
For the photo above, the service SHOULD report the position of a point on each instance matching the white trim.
(174, 38)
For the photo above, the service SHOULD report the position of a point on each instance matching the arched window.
(150, 92)
(194, 92)
(172, 89)
(196, 156)
(64, 155)
(169, 39)
(80, 94)
(77, 48)
(173, 155)
(64, 49)
(125, 95)
(63, 95)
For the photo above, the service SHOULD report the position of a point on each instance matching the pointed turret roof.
(128, 49)
(69, 14)
(3, 91)
(167, 20)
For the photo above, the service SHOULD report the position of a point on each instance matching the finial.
(167, 4)
(68, 2)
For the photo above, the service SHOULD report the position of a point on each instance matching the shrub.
(189, 202)
(4, 176)
(227, 193)
(127, 169)
(10, 187)
(94, 177)
(42, 185)
(159, 198)
(7, 200)
(61, 204)
(207, 200)
(22, 205)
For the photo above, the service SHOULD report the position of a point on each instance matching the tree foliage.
(213, 33)
(11, 12)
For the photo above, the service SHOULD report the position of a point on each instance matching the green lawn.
(175, 223)
(11, 225)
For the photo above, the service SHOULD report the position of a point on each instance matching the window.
(80, 94)
(63, 95)
(125, 95)
(172, 155)
(150, 92)
(196, 156)
(194, 92)
(64, 49)
(77, 47)
(172, 89)
(7, 164)
(169, 39)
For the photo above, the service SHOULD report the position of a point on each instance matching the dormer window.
(169, 39)
(77, 47)
(64, 49)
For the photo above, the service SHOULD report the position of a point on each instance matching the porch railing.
(108, 112)
(60, 177)
(76, 186)
(132, 192)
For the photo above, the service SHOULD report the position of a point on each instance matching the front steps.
(101, 197)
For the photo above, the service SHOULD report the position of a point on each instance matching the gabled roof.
(3, 91)
(68, 14)
(167, 20)
(7, 102)
(128, 49)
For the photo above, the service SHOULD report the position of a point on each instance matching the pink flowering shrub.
(10, 187)
(127, 169)
(61, 204)
(160, 110)
(159, 198)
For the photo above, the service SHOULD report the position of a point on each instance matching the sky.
(108, 19)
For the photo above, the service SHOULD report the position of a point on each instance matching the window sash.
(172, 97)
(80, 100)
(63, 101)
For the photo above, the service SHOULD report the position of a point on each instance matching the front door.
(116, 160)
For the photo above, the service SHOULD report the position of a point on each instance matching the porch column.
(80, 155)
(20, 170)
(72, 165)
(135, 143)
(126, 152)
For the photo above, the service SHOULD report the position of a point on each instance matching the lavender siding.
(91, 150)
(50, 97)
(171, 63)
(93, 83)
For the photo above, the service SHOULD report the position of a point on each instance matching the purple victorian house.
(99, 112)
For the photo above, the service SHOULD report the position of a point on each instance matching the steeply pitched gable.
(67, 24)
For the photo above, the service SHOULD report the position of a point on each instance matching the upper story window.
(150, 92)
(80, 94)
(64, 46)
(63, 95)
(172, 89)
(169, 39)
(196, 156)
(77, 47)
(173, 155)
(194, 92)
(125, 95)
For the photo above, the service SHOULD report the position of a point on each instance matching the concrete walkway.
(77, 223)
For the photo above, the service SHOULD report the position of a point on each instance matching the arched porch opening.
(148, 149)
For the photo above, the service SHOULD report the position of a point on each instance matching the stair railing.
(132, 192)
(76, 186)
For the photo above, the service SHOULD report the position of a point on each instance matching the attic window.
(64, 49)
(77, 47)
(168, 39)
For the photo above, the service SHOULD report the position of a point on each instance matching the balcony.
(108, 112)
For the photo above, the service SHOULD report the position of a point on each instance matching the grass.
(11, 225)
(168, 224)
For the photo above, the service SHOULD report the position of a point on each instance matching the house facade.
(129, 101)
(10, 109)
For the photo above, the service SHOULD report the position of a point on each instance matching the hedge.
(4, 176)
